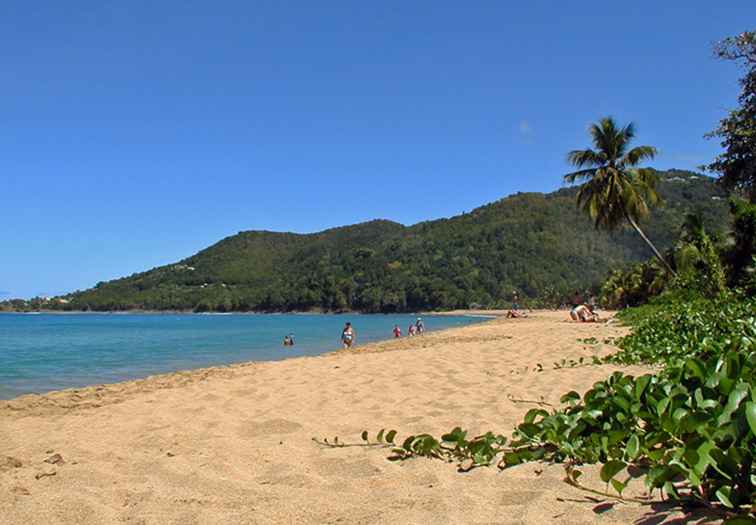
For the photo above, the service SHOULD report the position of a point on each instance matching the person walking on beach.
(515, 301)
(420, 326)
(348, 336)
(397, 331)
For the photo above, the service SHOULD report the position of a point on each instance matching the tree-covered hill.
(538, 244)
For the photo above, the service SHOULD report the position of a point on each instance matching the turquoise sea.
(43, 352)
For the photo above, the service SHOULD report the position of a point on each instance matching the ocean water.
(43, 352)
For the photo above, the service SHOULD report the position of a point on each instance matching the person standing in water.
(411, 330)
(348, 336)
(420, 326)
(397, 331)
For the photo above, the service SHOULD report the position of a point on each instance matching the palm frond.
(609, 139)
(636, 155)
(628, 132)
(580, 175)
(612, 193)
(644, 181)
(585, 157)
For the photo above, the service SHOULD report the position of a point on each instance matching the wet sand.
(234, 444)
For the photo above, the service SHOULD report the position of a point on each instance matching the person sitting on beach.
(411, 330)
(516, 314)
(348, 336)
(397, 331)
(575, 303)
(420, 326)
(583, 314)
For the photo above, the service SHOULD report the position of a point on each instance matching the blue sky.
(135, 133)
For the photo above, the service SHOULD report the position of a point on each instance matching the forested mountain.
(538, 244)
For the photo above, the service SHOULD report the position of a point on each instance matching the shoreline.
(467, 313)
(198, 374)
(233, 444)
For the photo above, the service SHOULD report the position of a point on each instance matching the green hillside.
(538, 244)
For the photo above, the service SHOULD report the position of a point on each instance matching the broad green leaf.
(750, 412)
(512, 458)
(610, 469)
(640, 386)
(529, 429)
(569, 397)
(736, 395)
(679, 413)
(621, 402)
(696, 368)
(633, 447)
(704, 459)
(618, 485)
(723, 495)
(533, 413)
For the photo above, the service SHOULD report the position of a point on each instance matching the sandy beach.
(234, 444)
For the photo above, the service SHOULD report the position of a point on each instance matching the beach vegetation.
(736, 165)
(706, 263)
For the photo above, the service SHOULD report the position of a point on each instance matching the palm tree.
(614, 189)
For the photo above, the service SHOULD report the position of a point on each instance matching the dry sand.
(234, 444)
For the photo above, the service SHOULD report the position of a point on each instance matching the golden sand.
(234, 444)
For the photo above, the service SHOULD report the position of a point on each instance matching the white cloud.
(526, 130)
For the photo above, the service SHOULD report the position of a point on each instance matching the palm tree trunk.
(650, 244)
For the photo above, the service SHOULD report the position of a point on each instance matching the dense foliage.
(675, 329)
(539, 245)
(736, 165)
(705, 263)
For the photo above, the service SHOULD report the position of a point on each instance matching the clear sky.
(133, 134)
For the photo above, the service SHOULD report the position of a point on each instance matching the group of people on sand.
(416, 328)
(349, 336)
(581, 311)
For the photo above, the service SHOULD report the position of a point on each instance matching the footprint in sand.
(342, 468)
(251, 429)
(519, 497)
